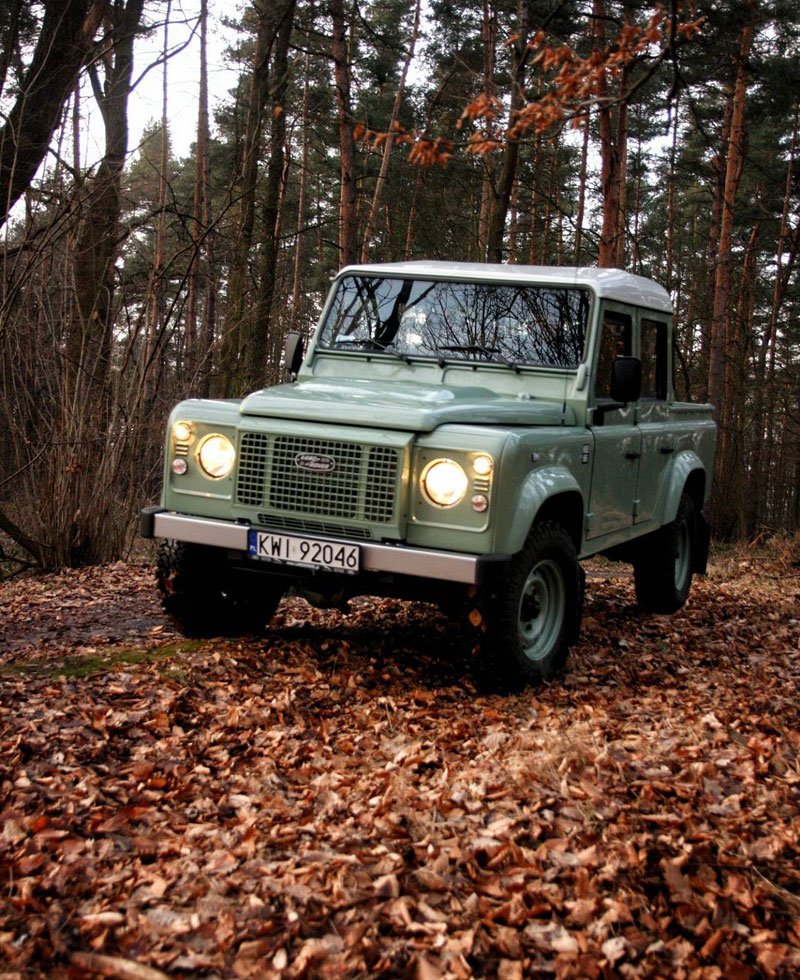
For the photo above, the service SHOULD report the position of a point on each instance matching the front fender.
(539, 486)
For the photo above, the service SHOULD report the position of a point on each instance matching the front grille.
(354, 482)
(252, 469)
(303, 526)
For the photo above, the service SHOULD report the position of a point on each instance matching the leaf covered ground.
(336, 799)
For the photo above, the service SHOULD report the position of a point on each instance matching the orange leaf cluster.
(424, 151)
(483, 106)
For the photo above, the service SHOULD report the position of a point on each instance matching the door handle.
(666, 450)
(632, 455)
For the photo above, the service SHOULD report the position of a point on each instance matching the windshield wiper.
(370, 344)
(490, 353)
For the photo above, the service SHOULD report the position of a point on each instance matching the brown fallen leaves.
(335, 798)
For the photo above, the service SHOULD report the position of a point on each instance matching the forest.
(662, 140)
(335, 796)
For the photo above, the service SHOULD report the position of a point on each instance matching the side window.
(654, 359)
(615, 341)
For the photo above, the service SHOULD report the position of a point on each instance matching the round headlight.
(216, 455)
(444, 482)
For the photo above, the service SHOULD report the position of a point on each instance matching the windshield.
(510, 324)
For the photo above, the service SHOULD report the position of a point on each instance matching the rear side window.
(654, 359)
(615, 341)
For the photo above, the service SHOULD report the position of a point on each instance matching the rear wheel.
(665, 564)
(204, 596)
(529, 624)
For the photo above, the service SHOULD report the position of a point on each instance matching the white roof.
(606, 283)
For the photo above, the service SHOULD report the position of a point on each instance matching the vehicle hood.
(399, 405)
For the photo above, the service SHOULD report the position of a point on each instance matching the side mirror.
(293, 352)
(626, 379)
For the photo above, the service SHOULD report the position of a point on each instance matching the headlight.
(444, 482)
(216, 455)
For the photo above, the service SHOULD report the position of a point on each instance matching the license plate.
(308, 552)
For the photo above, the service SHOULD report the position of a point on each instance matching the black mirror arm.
(599, 411)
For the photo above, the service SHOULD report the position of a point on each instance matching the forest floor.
(335, 798)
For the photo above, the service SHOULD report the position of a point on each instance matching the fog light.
(480, 503)
(179, 466)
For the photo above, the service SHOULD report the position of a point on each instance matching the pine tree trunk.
(489, 38)
(261, 342)
(297, 277)
(608, 158)
(722, 282)
(673, 149)
(369, 229)
(534, 249)
(348, 214)
(621, 174)
(198, 269)
(155, 319)
(412, 215)
(737, 369)
(513, 225)
(581, 209)
(786, 252)
(721, 320)
(508, 169)
(239, 272)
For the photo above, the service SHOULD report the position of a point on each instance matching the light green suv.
(457, 433)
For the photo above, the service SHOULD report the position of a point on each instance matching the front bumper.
(445, 566)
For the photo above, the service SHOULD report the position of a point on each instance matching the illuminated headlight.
(482, 465)
(444, 482)
(216, 455)
(182, 431)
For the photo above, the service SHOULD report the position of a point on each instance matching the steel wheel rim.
(542, 606)
(683, 556)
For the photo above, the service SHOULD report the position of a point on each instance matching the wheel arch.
(548, 494)
(566, 509)
(688, 475)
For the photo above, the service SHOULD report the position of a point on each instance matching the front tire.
(204, 596)
(530, 623)
(664, 567)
